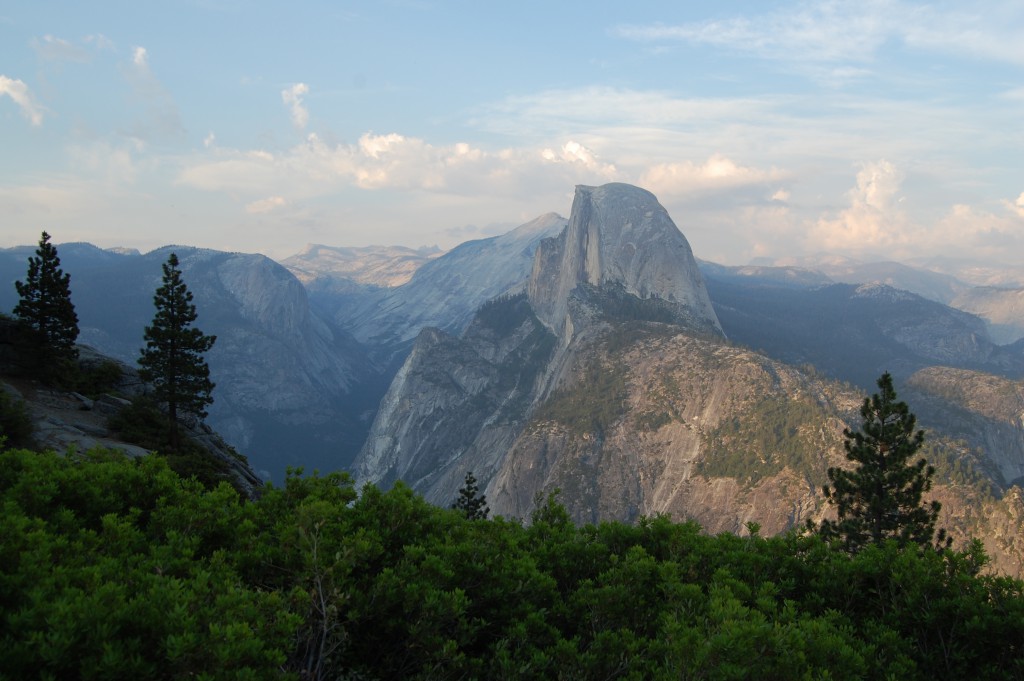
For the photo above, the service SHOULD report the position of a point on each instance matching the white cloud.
(966, 229)
(19, 92)
(265, 205)
(876, 222)
(718, 172)
(1017, 206)
(209, 140)
(574, 153)
(159, 118)
(830, 31)
(292, 96)
(874, 218)
(395, 162)
(99, 41)
(845, 31)
(57, 49)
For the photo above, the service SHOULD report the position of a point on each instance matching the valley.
(595, 355)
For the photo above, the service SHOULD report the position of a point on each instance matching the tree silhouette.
(470, 501)
(45, 307)
(173, 359)
(880, 498)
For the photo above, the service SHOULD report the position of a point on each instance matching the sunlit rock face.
(618, 234)
(460, 403)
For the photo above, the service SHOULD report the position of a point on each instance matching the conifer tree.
(470, 501)
(45, 307)
(173, 359)
(880, 498)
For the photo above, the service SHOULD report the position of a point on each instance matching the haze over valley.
(594, 354)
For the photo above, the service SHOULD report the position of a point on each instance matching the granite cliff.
(459, 403)
(612, 381)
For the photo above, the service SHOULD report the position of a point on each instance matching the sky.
(879, 128)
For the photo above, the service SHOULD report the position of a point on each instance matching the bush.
(144, 424)
(15, 424)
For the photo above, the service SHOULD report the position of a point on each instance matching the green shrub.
(15, 424)
(144, 424)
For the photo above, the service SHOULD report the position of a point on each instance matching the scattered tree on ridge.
(45, 305)
(173, 358)
(470, 501)
(880, 498)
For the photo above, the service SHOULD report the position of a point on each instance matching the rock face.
(611, 380)
(851, 332)
(458, 399)
(287, 380)
(617, 234)
(1002, 308)
(982, 411)
(446, 291)
(63, 420)
(458, 404)
(382, 266)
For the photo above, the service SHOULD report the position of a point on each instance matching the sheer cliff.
(611, 380)
(459, 403)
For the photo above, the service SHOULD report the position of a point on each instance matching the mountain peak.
(618, 234)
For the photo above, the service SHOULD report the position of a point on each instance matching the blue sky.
(878, 127)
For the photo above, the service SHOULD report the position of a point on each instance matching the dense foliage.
(881, 497)
(15, 423)
(773, 434)
(172, 360)
(118, 568)
(45, 307)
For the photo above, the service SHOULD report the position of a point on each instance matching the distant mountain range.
(594, 354)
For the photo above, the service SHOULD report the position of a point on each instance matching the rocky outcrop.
(660, 421)
(445, 292)
(287, 381)
(853, 333)
(980, 410)
(458, 404)
(1002, 308)
(633, 403)
(319, 266)
(63, 420)
(617, 234)
(458, 400)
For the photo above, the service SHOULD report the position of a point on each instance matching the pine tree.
(45, 305)
(470, 501)
(880, 498)
(173, 358)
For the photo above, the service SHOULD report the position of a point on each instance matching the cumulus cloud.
(292, 96)
(983, 233)
(574, 153)
(397, 162)
(1018, 205)
(209, 140)
(18, 91)
(718, 172)
(140, 57)
(874, 218)
(265, 205)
